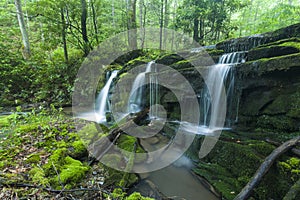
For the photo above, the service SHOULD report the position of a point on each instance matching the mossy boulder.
(249, 42)
(72, 172)
(279, 48)
(231, 164)
(169, 59)
(62, 169)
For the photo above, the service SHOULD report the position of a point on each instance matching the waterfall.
(219, 75)
(154, 94)
(136, 99)
(102, 101)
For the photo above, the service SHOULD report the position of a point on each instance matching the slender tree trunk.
(166, 23)
(94, 16)
(161, 23)
(85, 39)
(131, 24)
(174, 18)
(26, 50)
(113, 14)
(142, 22)
(63, 34)
(201, 30)
(196, 30)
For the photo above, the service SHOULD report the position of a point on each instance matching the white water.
(219, 76)
(102, 103)
(154, 95)
(136, 99)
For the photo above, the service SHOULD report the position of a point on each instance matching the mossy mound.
(4, 121)
(235, 159)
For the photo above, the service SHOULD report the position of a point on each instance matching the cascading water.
(136, 99)
(219, 75)
(154, 94)
(102, 103)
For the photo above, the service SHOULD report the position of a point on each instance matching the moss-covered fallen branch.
(264, 167)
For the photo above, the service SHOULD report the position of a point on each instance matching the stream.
(175, 181)
(179, 183)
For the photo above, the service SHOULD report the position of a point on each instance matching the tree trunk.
(26, 50)
(166, 23)
(196, 30)
(94, 21)
(85, 39)
(264, 167)
(201, 31)
(161, 23)
(142, 21)
(131, 24)
(63, 34)
(113, 14)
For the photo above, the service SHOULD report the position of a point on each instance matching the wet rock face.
(247, 43)
(269, 87)
(275, 49)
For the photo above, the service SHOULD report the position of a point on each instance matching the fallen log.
(295, 151)
(264, 167)
(101, 146)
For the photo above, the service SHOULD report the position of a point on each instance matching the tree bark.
(196, 30)
(142, 22)
(131, 24)
(85, 39)
(26, 50)
(264, 167)
(166, 23)
(161, 23)
(63, 34)
(94, 21)
(101, 146)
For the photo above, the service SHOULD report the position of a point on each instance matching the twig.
(296, 151)
(57, 175)
(52, 190)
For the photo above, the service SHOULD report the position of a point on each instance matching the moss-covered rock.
(72, 172)
(279, 48)
(231, 164)
(249, 42)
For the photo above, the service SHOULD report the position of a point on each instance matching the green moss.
(214, 52)
(79, 150)
(37, 176)
(182, 64)
(4, 121)
(90, 133)
(262, 148)
(33, 158)
(126, 142)
(230, 166)
(282, 123)
(291, 167)
(137, 196)
(294, 42)
(73, 171)
(56, 160)
(62, 169)
(220, 178)
(27, 127)
(295, 105)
